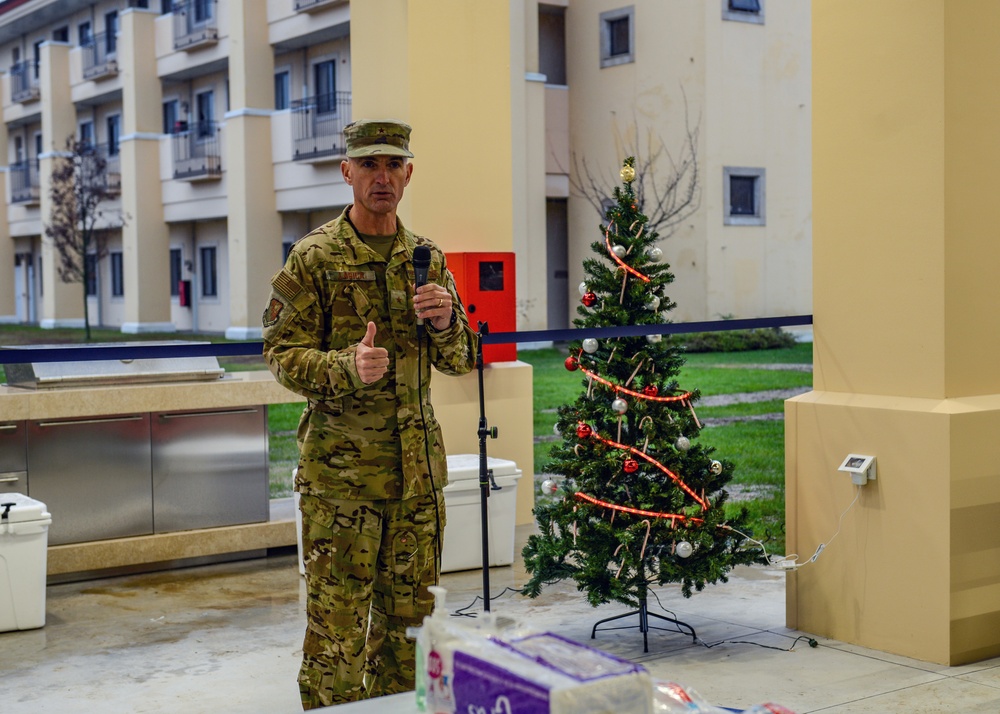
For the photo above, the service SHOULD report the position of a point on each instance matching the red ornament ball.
(572, 363)
(650, 390)
(589, 299)
(583, 431)
(631, 466)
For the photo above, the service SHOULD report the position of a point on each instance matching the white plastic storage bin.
(24, 542)
(463, 539)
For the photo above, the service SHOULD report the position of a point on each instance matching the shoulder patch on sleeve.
(273, 312)
(286, 285)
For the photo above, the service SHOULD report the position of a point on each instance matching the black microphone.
(421, 264)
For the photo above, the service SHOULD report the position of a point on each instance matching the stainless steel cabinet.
(13, 458)
(210, 468)
(94, 475)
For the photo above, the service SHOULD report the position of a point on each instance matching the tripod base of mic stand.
(644, 626)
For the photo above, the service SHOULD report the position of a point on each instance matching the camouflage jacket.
(358, 441)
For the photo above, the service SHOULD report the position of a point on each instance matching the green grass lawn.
(755, 447)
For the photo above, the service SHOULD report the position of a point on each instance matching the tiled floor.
(226, 637)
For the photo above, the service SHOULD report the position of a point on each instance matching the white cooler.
(463, 539)
(24, 541)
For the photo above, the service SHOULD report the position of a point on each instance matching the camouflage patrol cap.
(387, 137)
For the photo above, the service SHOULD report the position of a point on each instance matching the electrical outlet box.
(860, 467)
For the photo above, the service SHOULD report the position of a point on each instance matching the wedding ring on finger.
(440, 302)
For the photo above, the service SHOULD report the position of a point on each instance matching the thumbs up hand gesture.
(371, 361)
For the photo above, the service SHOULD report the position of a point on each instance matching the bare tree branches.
(667, 187)
(78, 224)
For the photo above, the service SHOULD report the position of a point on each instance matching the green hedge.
(767, 338)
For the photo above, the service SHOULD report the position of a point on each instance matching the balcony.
(195, 24)
(24, 85)
(25, 186)
(100, 168)
(99, 57)
(198, 153)
(315, 5)
(318, 127)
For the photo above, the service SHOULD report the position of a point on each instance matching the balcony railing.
(99, 56)
(197, 152)
(25, 186)
(318, 126)
(24, 85)
(315, 5)
(195, 24)
(101, 168)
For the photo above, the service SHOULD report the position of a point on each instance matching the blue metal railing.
(242, 349)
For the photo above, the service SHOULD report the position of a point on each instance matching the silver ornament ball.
(684, 549)
(683, 443)
(654, 339)
(619, 405)
(583, 289)
(716, 467)
(555, 430)
(653, 304)
(590, 345)
(619, 250)
(549, 486)
(655, 254)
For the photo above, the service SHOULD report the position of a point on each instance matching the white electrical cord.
(789, 562)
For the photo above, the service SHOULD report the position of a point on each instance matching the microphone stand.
(485, 474)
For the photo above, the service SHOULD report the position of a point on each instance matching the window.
(111, 32)
(87, 133)
(38, 55)
(38, 144)
(743, 191)
(209, 277)
(91, 267)
(166, 7)
(743, 11)
(84, 34)
(202, 10)
(282, 89)
(61, 34)
(15, 55)
(114, 133)
(205, 105)
(18, 150)
(175, 271)
(117, 274)
(325, 74)
(618, 36)
(170, 116)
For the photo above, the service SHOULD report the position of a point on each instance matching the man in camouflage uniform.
(341, 329)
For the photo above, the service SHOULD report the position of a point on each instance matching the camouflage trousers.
(368, 566)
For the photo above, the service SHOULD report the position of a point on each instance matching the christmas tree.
(641, 501)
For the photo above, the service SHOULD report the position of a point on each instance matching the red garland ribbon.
(632, 392)
(641, 454)
(580, 496)
(629, 268)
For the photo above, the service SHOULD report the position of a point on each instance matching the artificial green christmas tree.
(642, 502)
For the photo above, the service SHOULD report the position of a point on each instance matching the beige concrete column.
(145, 236)
(8, 300)
(467, 101)
(254, 228)
(907, 334)
(62, 303)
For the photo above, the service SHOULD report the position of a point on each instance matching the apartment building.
(221, 121)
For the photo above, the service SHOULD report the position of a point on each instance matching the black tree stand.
(485, 476)
(644, 626)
